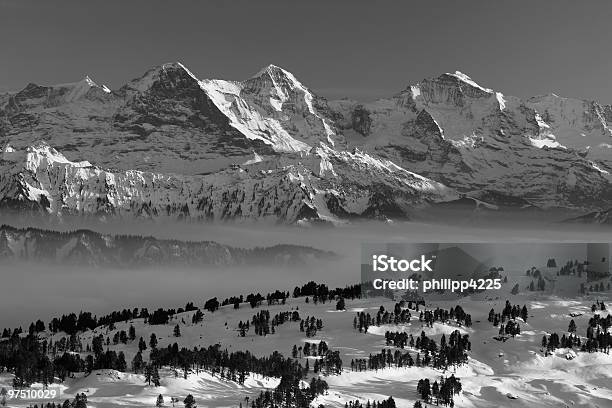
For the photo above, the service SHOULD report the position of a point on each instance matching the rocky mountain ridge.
(327, 185)
(169, 144)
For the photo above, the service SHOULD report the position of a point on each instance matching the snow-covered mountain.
(545, 151)
(170, 144)
(324, 185)
(273, 106)
(169, 121)
(86, 247)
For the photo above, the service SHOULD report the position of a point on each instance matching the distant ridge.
(86, 247)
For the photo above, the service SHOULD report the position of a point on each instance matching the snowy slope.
(325, 184)
(275, 107)
(495, 369)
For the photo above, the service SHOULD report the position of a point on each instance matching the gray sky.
(360, 49)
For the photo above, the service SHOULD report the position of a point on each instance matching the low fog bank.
(344, 239)
(32, 291)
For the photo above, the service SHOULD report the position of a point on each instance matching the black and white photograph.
(305, 204)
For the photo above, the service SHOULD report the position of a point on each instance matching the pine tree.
(137, 362)
(121, 363)
(177, 331)
(89, 364)
(153, 341)
(435, 390)
(524, 313)
(80, 401)
(148, 371)
(189, 402)
(97, 345)
(142, 345)
(155, 377)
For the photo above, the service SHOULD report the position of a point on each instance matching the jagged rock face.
(450, 89)
(168, 107)
(86, 247)
(326, 185)
(275, 107)
(486, 144)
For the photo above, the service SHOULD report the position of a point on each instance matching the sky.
(358, 49)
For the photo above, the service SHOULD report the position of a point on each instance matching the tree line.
(441, 393)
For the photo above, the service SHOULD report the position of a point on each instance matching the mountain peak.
(57, 94)
(464, 78)
(271, 70)
(167, 72)
(276, 77)
(175, 65)
(84, 82)
(84, 85)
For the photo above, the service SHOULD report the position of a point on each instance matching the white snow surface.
(516, 367)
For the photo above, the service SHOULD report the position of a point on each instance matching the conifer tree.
(142, 345)
(137, 363)
(80, 401)
(189, 402)
(153, 341)
(155, 377)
